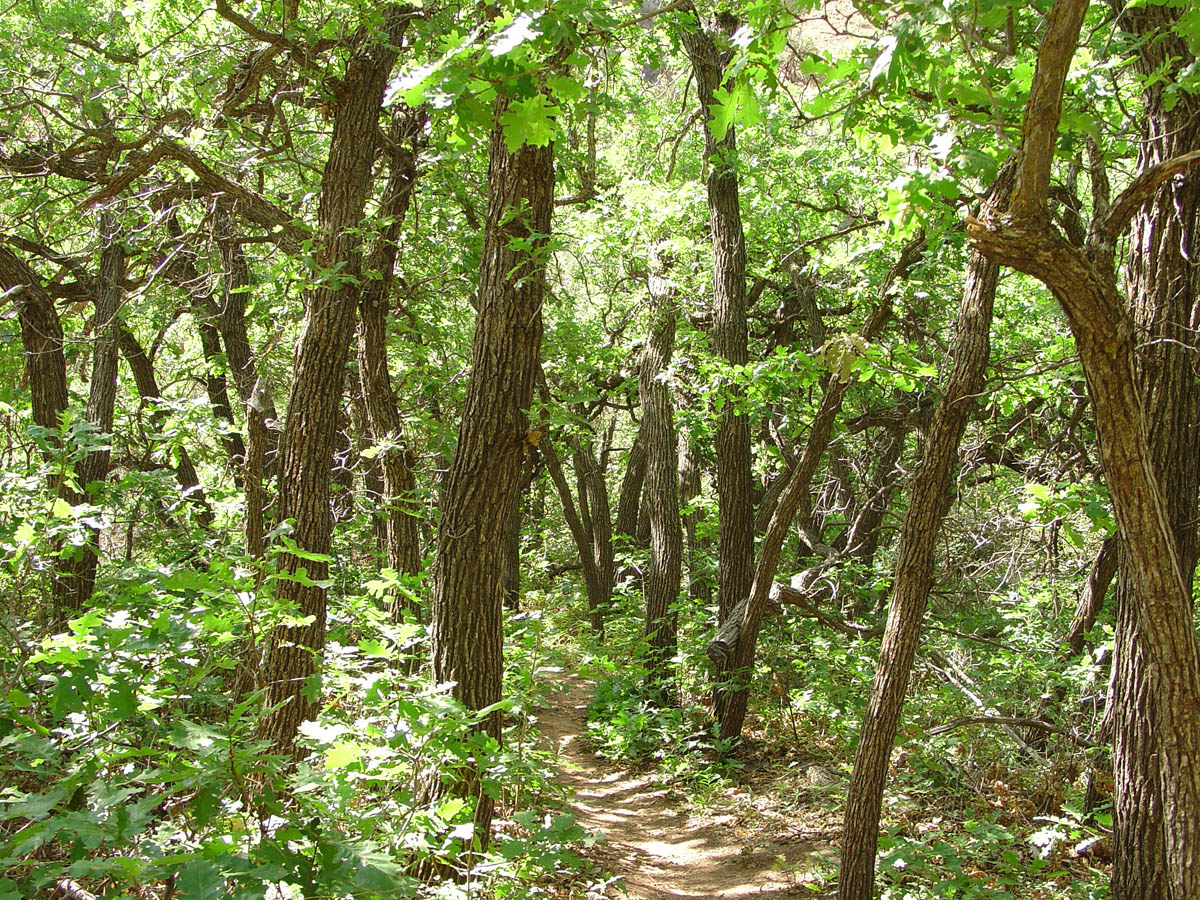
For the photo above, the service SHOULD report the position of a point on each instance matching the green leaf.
(530, 122)
(343, 754)
(200, 879)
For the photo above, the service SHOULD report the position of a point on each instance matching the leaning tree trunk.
(630, 498)
(598, 587)
(1164, 287)
(735, 503)
(314, 403)
(732, 673)
(1083, 282)
(42, 340)
(76, 575)
(662, 491)
(493, 437)
(931, 495)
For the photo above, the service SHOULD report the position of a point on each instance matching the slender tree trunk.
(630, 499)
(732, 676)
(76, 575)
(598, 587)
(1164, 288)
(493, 437)
(1091, 599)
(662, 490)
(402, 535)
(593, 497)
(689, 490)
(309, 435)
(931, 496)
(735, 504)
(142, 369)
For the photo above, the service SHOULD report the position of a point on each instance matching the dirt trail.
(650, 841)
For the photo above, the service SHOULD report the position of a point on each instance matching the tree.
(1082, 280)
(662, 482)
(931, 496)
(493, 436)
(735, 502)
(1163, 289)
(313, 410)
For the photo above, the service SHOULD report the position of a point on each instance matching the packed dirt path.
(650, 841)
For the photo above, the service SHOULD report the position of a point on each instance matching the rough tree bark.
(402, 544)
(493, 437)
(662, 489)
(76, 575)
(735, 501)
(931, 496)
(630, 499)
(1164, 291)
(1083, 282)
(313, 405)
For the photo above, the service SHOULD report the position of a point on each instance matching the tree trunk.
(599, 589)
(630, 499)
(493, 437)
(142, 369)
(662, 490)
(314, 403)
(1164, 288)
(1082, 281)
(1091, 599)
(402, 536)
(76, 575)
(689, 490)
(931, 496)
(735, 504)
(42, 339)
(731, 679)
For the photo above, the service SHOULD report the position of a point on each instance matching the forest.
(570, 449)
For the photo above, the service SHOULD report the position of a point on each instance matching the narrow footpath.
(650, 841)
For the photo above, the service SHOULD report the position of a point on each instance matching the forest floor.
(660, 845)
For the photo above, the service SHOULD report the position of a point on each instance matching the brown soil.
(659, 848)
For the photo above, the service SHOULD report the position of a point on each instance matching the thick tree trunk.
(931, 496)
(76, 575)
(314, 403)
(1164, 287)
(735, 503)
(1082, 281)
(493, 437)
(662, 490)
